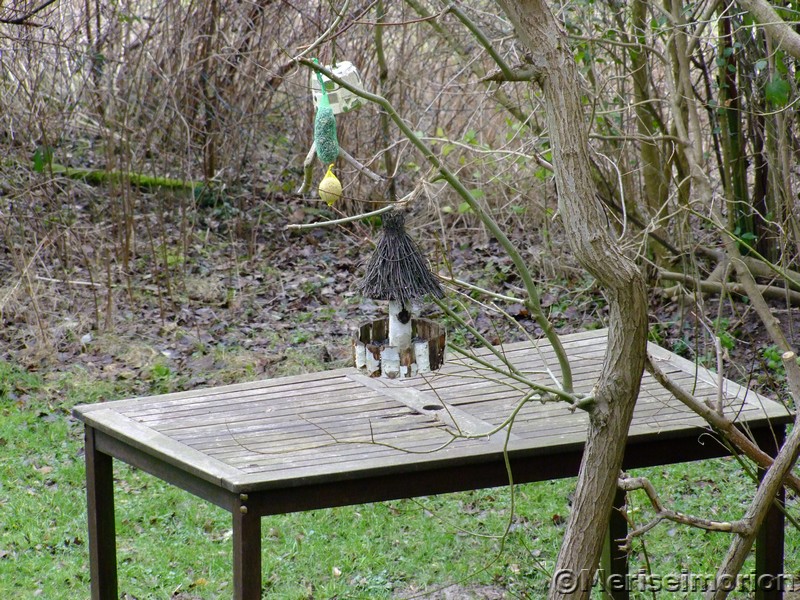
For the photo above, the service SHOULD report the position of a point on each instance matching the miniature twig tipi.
(398, 272)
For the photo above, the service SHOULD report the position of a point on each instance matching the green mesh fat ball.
(325, 135)
(327, 144)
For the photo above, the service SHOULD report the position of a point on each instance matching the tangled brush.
(397, 269)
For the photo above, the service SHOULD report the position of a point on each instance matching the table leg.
(246, 552)
(614, 562)
(102, 534)
(770, 540)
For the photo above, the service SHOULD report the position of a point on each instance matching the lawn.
(172, 545)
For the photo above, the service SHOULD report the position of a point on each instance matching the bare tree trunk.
(586, 226)
(655, 167)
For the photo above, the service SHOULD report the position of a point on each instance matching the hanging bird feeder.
(341, 100)
(330, 99)
(400, 345)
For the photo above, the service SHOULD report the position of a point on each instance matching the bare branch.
(721, 424)
(23, 20)
(483, 41)
(374, 213)
(359, 167)
(717, 287)
(630, 484)
(338, 19)
(787, 456)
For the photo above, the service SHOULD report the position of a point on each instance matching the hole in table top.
(432, 407)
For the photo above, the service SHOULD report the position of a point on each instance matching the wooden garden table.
(337, 438)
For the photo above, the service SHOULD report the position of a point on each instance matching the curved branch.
(715, 287)
(476, 31)
(725, 427)
(630, 484)
(776, 28)
(584, 222)
(787, 456)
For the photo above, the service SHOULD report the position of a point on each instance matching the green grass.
(171, 544)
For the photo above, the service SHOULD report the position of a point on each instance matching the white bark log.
(373, 363)
(390, 362)
(399, 332)
(361, 355)
(422, 357)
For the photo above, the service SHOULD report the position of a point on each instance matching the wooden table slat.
(280, 395)
(368, 403)
(304, 429)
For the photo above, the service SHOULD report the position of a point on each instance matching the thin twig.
(549, 394)
(68, 281)
(22, 20)
(359, 167)
(478, 335)
(324, 36)
(481, 290)
(296, 226)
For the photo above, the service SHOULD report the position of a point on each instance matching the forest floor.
(217, 309)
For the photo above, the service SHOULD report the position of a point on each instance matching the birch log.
(422, 356)
(399, 325)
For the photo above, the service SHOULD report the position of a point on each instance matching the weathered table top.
(340, 426)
